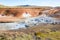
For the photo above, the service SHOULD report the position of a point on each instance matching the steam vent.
(14, 18)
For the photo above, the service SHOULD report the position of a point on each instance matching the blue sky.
(31, 2)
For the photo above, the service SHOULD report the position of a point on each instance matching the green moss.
(52, 35)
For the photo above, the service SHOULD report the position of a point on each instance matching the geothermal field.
(30, 23)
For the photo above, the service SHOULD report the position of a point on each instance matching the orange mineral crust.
(15, 14)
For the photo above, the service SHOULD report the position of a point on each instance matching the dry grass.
(40, 32)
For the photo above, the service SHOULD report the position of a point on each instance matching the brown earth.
(17, 13)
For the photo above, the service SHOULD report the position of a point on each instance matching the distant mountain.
(34, 6)
(3, 6)
(24, 6)
(28, 6)
(58, 7)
